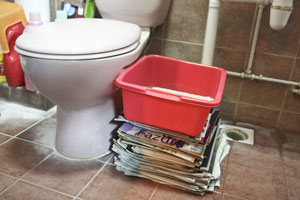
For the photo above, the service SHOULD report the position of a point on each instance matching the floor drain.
(236, 135)
(239, 134)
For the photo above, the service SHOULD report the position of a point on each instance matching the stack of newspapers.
(178, 160)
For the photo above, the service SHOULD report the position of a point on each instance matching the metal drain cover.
(239, 134)
(236, 134)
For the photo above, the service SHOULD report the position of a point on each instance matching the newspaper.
(162, 139)
(203, 137)
(165, 162)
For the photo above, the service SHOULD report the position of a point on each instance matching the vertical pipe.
(210, 32)
(255, 36)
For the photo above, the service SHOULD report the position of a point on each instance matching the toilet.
(74, 63)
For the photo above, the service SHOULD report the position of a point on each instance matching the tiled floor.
(31, 169)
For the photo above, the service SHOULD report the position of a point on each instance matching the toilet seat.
(78, 57)
(66, 39)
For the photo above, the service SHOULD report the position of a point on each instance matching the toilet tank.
(148, 13)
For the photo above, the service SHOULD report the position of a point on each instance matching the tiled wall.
(277, 55)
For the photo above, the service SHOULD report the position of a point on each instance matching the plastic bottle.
(34, 21)
(2, 76)
(11, 62)
(61, 15)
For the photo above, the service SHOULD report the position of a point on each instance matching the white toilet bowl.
(82, 86)
(74, 64)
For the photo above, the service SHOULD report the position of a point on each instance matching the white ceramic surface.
(148, 13)
(80, 37)
(82, 90)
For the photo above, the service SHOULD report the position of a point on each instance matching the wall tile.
(155, 47)
(187, 20)
(182, 51)
(232, 88)
(289, 121)
(235, 25)
(262, 93)
(53, 9)
(296, 71)
(292, 102)
(272, 66)
(298, 55)
(256, 115)
(229, 59)
(283, 42)
(227, 110)
(158, 32)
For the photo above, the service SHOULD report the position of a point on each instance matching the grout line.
(183, 42)
(229, 195)
(21, 178)
(92, 179)
(33, 142)
(287, 90)
(231, 49)
(226, 169)
(151, 196)
(15, 136)
(46, 188)
(10, 176)
(4, 134)
(260, 106)
(41, 186)
(281, 159)
(104, 162)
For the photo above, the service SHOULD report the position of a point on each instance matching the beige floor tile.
(291, 162)
(164, 192)
(42, 133)
(254, 183)
(260, 157)
(25, 191)
(18, 157)
(3, 138)
(111, 184)
(64, 175)
(15, 119)
(293, 185)
(5, 181)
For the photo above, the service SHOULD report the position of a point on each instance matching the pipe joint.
(214, 4)
(295, 90)
(260, 77)
(242, 75)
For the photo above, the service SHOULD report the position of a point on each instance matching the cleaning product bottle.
(34, 21)
(61, 15)
(2, 76)
(11, 62)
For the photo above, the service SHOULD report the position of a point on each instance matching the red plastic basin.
(176, 112)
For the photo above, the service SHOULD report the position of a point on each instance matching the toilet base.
(85, 133)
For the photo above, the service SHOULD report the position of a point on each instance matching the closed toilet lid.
(81, 37)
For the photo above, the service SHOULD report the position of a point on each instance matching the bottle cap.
(35, 19)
